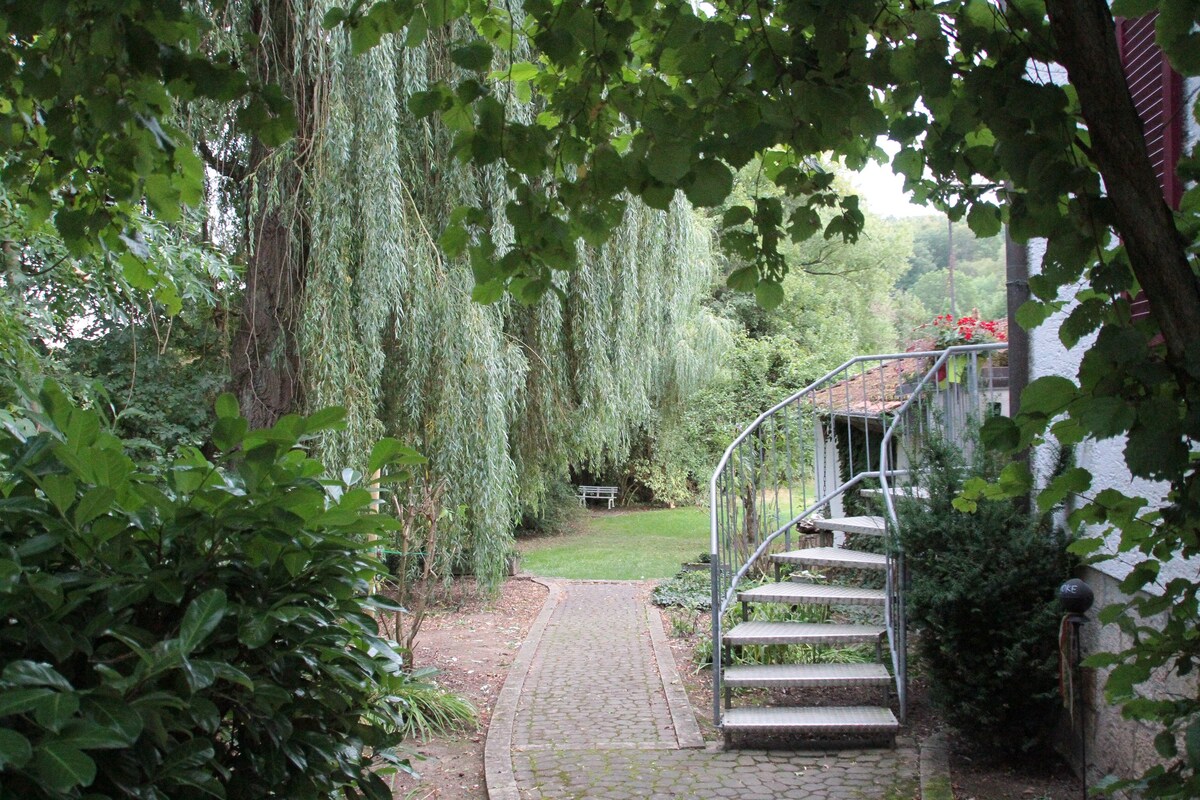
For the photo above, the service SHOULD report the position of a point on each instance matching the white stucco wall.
(1104, 459)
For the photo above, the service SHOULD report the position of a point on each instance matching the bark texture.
(265, 368)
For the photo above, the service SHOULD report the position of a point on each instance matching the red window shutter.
(1157, 92)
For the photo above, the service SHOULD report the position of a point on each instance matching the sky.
(882, 192)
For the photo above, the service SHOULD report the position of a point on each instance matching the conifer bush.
(204, 631)
(983, 597)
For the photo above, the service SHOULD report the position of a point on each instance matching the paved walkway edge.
(687, 730)
(935, 768)
(497, 751)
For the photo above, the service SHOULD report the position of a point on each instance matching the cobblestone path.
(597, 711)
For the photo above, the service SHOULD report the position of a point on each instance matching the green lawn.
(633, 545)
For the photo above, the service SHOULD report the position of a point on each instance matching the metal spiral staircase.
(827, 466)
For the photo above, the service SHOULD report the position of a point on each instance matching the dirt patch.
(472, 642)
(972, 777)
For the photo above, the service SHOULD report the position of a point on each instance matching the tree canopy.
(577, 110)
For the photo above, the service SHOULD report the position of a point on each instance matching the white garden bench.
(586, 493)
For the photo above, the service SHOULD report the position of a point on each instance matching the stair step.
(833, 557)
(868, 525)
(797, 593)
(808, 675)
(863, 720)
(813, 633)
(898, 492)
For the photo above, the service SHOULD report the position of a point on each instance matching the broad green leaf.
(229, 432)
(10, 575)
(1133, 8)
(96, 501)
(60, 489)
(330, 418)
(392, 451)
(227, 406)
(18, 701)
(15, 750)
(56, 709)
(115, 716)
(32, 673)
(201, 618)
(88, 735)
(63, 767)
(255, 630)
(521, 71)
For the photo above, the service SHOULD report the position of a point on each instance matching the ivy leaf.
(1049, 395)
(1073, 481)
(743, 280)
(1103, 417)
(1191, 744)
(736, 215)
(710, 185)
(1032, 313)
(488, 292)
(1000, 433)
(669, 162)
(1133, 8)
(1155, 447)
(984, 220)
(768, 293)
(476, 56)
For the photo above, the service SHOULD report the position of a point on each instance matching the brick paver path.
(595, 710)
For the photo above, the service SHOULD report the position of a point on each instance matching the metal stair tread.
(833, 557)
(757, 632)
(808, 675)
(812, 719)
(864, 524)
(800, 593)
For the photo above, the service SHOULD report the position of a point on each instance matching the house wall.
(1115, 745)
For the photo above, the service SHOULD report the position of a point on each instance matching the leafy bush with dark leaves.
(983, 596)
(203, 631)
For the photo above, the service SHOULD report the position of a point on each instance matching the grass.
(636, 545)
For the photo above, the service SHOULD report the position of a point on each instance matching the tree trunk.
(265, 368)
(1087, 46)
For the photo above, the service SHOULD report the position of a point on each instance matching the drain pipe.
(1016, 270)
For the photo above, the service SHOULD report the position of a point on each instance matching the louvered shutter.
(1157, 92)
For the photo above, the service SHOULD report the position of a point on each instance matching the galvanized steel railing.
(858, 426)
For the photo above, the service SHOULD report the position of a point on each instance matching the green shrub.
(204, 631)
(983, 596)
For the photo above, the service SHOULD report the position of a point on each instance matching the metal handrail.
(896, 617)
(773, 432)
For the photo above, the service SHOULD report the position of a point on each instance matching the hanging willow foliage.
(504, 399)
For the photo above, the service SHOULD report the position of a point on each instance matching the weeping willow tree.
(350, 300)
